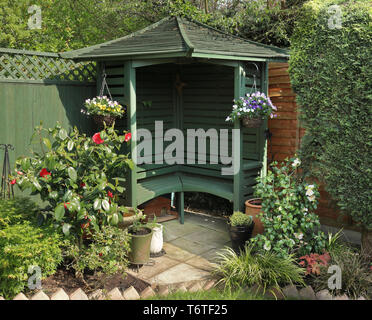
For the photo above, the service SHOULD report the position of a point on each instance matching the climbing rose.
(127, 137)
(97, 138)
(44, 172)
(14, 181)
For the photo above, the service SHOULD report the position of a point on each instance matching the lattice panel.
(27, 66)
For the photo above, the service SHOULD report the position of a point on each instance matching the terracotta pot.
(251, 123)
(253, 208)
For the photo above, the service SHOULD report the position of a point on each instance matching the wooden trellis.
(28, 65)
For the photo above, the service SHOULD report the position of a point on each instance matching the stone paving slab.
(180, 273)
(208, 237)
(196, 248)
(160, 264)
(176, 253)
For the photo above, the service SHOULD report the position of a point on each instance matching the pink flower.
(97, 138)
(20, 173)
(14, 181)
(44, 172)
(127, 137)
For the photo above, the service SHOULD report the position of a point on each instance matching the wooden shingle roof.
(178, 37)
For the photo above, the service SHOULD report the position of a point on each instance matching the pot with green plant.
(240, 229)
(141, 235)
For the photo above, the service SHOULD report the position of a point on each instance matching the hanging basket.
(109, 120)
(251, 122)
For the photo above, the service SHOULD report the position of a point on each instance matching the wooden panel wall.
(287, 134)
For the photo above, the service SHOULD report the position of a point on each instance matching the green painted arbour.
(214, 68)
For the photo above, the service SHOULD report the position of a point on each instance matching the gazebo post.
(239, 76)
(265, 89)
(131, 101)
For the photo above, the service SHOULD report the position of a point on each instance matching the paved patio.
(190, 250)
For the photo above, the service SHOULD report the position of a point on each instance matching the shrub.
(17, 210)
(76, 175)
(314, 261)
(332, 78)
(22, 246)
(266, 270)
(239, 219)
(355, 273)
(288, 202)
(107, 252)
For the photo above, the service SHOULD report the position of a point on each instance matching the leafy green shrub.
(23, 245)
(288, 202)
(266, 270)
(331, 75)
(107, 252)
(355, 273)
(76, 175)
(17, 210)
(239, 219)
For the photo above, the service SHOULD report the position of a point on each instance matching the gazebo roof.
(179, 37)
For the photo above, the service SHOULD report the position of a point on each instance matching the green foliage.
(355, 270)
(213, 294)
(76, 175)
(288, 202)
(239, 219)
(17, 210)
(88, 22)
(107, 252)
(331, 75)
(266, 270)
(23, 245)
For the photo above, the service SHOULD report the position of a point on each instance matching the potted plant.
(240, 229)
(253, 207)
(252, 109)
(157, 237)
(141, 235)
(103, 110)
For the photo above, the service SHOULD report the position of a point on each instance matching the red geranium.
(44, 172)
(109, 193)
(127, 137)
(14, 181)
(97, 138)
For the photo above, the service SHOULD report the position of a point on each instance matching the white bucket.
(157, 239)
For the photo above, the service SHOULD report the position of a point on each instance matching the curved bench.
(181, 182)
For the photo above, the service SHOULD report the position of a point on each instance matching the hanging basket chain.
(104, 84)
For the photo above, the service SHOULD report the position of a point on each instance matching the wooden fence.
(38, 87)
(287, 134)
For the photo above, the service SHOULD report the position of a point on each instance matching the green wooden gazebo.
(186, 74)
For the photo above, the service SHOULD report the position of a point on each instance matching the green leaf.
(70, 145)
(62, 134)
(115, 219)
(105, 205)
(97, 204)
(66, 228)
(47, 143)
(59, 212)
(72, 173)
(53, 195)
(37, 185)
(67, 195)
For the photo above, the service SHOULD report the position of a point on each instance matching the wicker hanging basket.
(109, 120)
(252, 122)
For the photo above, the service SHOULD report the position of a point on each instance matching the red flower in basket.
(44, 172)
(14, 181)
(97, 138)
(127, 137)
